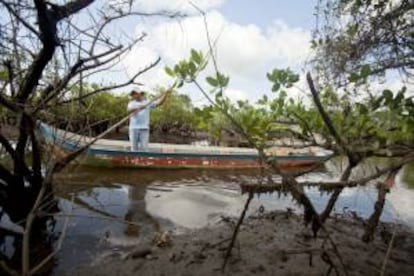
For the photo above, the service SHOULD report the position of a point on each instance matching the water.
(97, 202)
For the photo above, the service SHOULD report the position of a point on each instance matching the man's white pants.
(139, 138)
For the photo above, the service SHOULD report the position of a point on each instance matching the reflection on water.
(158, 200)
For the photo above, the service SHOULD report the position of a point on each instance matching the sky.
(297, 13)
(253, 37)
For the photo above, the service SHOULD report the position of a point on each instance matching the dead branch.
(374, 218)
(9, 104)
(328, 185)
(311, 169)
(47, 25)
(32, 35)
(18, 17)
(12, 232)
(353, 159)
(113, 87)
(128, 222)
(388, 253)
(236, 230)
(10, 73)
(7, 146)
(34, 270)
(327, 259)
(9, 270)
(27, 232)
(52, 91)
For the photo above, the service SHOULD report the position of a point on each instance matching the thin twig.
(27, 231)
(388, 253)
(58, 246)
(9, 270)
(129, 222)
(236, 230)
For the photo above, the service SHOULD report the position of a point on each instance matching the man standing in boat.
(139, 122)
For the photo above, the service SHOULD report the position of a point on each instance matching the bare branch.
(70, 8)
(328, 122)
(329, 185)
(18, 17)
(113, 87)
(7, 146)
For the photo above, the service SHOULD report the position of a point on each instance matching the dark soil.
(275, 243)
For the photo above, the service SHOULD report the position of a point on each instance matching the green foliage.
(98, 107)
(217, 124)
(219, 81)
(187, 70)
(367, 123)
(177, 111)
(282, 78)
(356, 39)
(370, 122)
(203, 117)
(258, 123)
(4, 75)
(361, 76)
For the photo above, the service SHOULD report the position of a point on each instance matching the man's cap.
(136, 92)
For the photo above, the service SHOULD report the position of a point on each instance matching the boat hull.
(176, 162)
(171, 156)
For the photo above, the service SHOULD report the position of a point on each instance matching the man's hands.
(163, 96)
(157, 100)
(164, 93)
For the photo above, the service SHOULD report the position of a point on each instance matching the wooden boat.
(117, 153)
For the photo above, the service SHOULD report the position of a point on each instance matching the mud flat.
(274, 243)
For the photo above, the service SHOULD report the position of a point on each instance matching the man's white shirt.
(140, 119)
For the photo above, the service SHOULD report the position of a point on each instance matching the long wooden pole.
(60, 164)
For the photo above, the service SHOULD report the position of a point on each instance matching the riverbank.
(274, 243)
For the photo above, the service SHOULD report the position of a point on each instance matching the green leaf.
(376, 103)
(223, 80)
(362, 108)
(196, 56)
(212, 81)
(276, 87)
(354, 77)
(270, 77)
(388, 96)
(365, 71)
(177, 69)
(203, 65)
(192, 68)
(169, 71)
(4, 75)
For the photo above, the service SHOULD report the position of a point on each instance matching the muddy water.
(98, 201)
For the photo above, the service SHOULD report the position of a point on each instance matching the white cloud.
(244, 52)
(236, 94)
(393, 83)
(177, 5)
